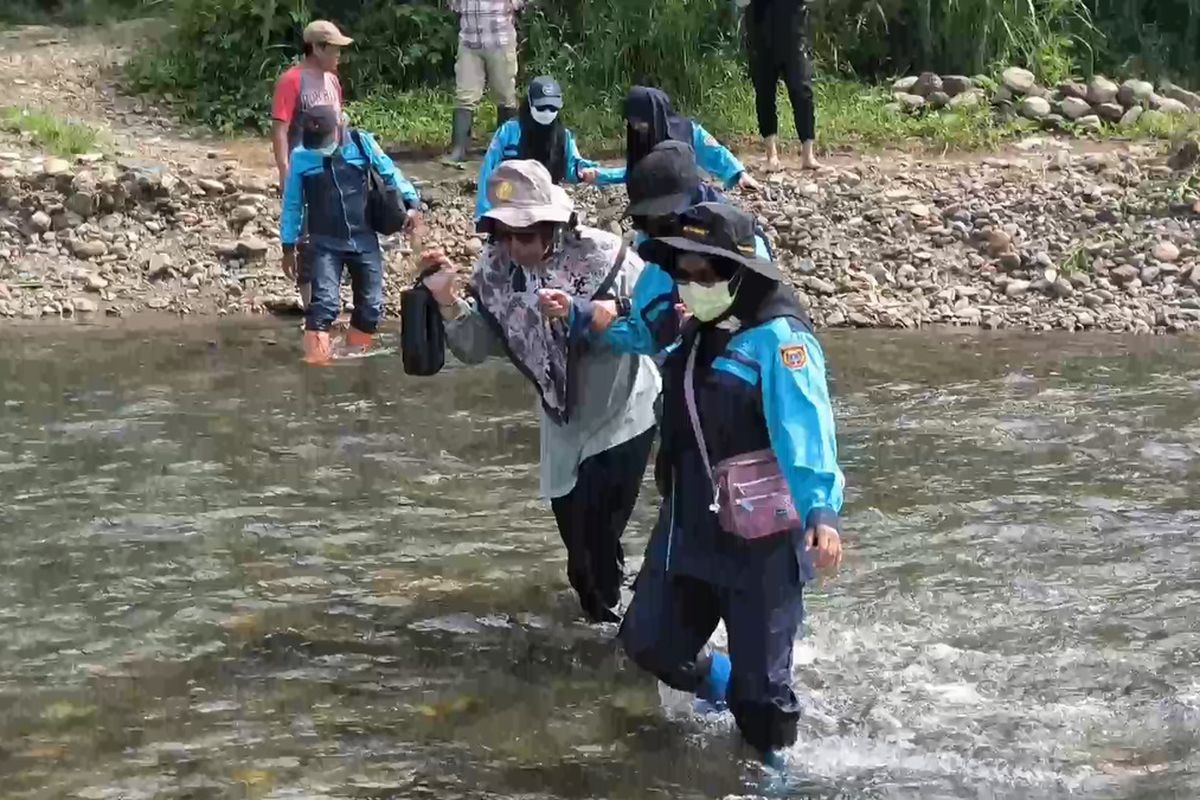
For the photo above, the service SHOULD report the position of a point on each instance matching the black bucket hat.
(664, 182)
(713, 229)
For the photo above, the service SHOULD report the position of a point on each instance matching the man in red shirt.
(313, 82)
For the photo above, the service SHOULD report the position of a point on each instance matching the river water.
(226, 575)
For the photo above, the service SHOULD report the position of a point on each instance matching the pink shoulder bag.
(750, 495)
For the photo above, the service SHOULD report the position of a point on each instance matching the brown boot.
(357, 341)
(317, 347)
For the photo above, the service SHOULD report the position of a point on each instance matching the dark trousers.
(323, 268)
(592, 518)
(776, 54)
(670, 620)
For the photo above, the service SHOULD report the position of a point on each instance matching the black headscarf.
(544, 143)
(652, 106)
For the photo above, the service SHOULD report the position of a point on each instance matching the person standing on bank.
(538, 133)
(487, 57)
(597, 406)
(751, 486)
(777, 38)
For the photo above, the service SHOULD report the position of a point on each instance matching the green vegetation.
(48, 132)
(222, 57)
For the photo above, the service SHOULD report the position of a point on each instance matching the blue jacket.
(712, 157)
(333, 196)
(506, 144)
(652, 326)
(763, 386)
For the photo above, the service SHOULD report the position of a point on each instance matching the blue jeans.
(324, 268)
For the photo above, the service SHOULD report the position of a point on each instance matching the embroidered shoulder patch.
(794, 356)
(504, 191)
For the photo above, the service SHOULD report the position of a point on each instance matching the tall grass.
(48, 132)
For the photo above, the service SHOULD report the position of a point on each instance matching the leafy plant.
(58, 136)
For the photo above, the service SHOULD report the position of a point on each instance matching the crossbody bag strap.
(689, 397)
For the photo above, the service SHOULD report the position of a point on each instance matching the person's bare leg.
(808, 158)
(772, 152)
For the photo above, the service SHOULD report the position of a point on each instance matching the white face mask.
(328, 149)
(706, 302)
(543, 117)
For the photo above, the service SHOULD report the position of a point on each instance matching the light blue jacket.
(340, 211)
(712, 157)
(506, 144)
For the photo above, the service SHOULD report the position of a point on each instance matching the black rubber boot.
(503, 115)
(460, 135)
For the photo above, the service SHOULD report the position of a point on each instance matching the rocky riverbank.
(1048, 238)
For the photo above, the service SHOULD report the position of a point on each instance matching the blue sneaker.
(716, 684)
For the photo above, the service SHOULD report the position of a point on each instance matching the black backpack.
(422, 332)
(385, 210)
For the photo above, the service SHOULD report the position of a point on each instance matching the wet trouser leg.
(670, 620)
(366, 277)
(667, 626)
(324, 269)
(763, 622)
(592, 518)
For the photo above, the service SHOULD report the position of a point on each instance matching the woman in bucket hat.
(597, 406)
(748, 472)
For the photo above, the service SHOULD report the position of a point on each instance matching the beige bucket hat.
(522, 194)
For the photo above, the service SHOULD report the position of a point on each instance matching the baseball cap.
(322, 31)
(320, 120)
(544, 92)
(663, 182)
(713, 229)
(523, 194)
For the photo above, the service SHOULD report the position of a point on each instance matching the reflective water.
(225, 575)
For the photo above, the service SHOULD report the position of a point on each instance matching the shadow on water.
(225, 575)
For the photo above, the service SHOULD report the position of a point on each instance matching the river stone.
(910, 102)
(1179, 94)
(90, 249)
(1002, 95)
(954, 85)
(1016, 288)
(968, 99)
(1075, 107)
(1035, 107)
(1110, 112)
(998, 243)
(82, 203)
(40, 221)
(55, 167)
(252, 249)
(1131, 117)
(94, 283)
(939, 100)
(1150, 274)
(1166, 252)
(1134, 92)
(927, 83)
(84, 305)
(905, 85)
(1090, 123)
(1169, 105)
(1019, 80)
(159, 266)
(1101, 90)
(1073, 89)
(210, 186)
(1125, 273)
(243, 214)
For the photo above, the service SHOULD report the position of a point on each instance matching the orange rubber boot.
(317, 347)
(358, 340)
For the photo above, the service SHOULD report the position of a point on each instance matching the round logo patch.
(794, 356)
(504, 190)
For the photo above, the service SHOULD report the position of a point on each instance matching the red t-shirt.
(300, 88)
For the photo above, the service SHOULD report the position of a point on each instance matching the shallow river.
(225, 575)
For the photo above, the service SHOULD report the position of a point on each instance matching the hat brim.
(337, 41)
(528, 216)
(553, 102)
(659, 206)
(659, 250)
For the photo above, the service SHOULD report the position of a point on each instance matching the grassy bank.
(849, 115)
(47, 132)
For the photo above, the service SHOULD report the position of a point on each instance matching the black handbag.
(385, 209)
(422, 332)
